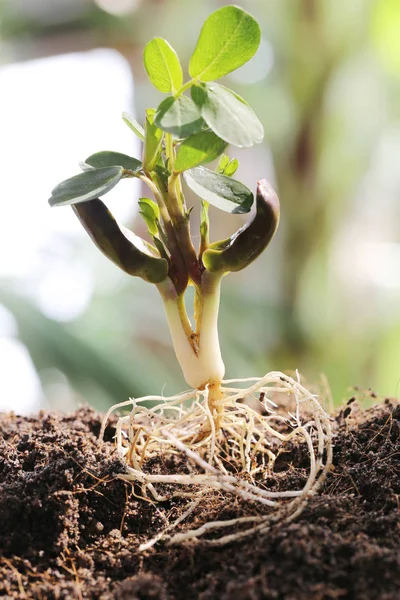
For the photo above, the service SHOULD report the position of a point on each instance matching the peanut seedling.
(192, 127)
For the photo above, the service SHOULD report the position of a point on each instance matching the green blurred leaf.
(198, 149)
(223, 162)
(221, 191)
(86, 186)
(162, 66)
(152, 141)
(232, 167)
(228, 115)
(180, 116)
(228, 39)
(226, 166)
(133, 125)
(113, 159)
(121, 246)
(385, 29)
(150, 213)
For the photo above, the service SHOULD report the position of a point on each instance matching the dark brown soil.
(70, 529)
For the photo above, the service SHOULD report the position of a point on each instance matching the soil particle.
(71, 529)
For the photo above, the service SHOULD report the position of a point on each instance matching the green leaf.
(134, 125)
(226, 166)
(231, 167)
(228, 115)
(180, 116)
(162, 65)
(152, 141)
(121, 246)
(228, 39)
(222, 164)
(219, 190)
(197, 149)
(85, 167)
(113, 159)
(244, 246)
(150, 213)
(86, 186)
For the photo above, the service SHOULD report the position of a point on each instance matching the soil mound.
(71, 529)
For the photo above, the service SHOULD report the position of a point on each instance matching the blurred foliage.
(54, 345)
(329, 96)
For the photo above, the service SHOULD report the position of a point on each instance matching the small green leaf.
(152, 141)
(113, 159)
(180, 116)
(244, 246)
(198, 149)
(231, 167)
(150, 213)
(162, 65)
(86, 186)
(219, 190)
(134, 125)
(226, 166)
(222, 164)
(121, 246)
(228, 39)
(228, 115)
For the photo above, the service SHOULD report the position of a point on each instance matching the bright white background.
(54, 112)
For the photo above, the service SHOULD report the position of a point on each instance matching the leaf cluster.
(190, 128)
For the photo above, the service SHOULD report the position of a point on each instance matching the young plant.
(190, 128)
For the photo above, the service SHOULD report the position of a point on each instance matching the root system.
(234, 444)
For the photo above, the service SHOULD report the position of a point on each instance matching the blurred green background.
(325, 297)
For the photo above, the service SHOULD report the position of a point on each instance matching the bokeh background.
(324, 298)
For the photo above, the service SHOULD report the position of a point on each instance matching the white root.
(235, 457)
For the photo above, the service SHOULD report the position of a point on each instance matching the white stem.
(200, 359)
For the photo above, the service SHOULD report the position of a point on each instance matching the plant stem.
(169, 151)
(198, 352)
(180, 301)
(185, 87)
(180, 221)
(204, 229)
